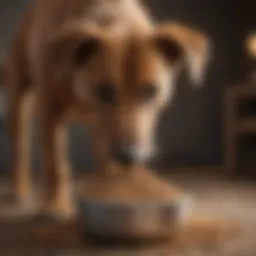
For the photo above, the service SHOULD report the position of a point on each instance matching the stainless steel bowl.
(111, 219)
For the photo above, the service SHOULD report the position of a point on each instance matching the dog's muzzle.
(130, 155)
(125, 155)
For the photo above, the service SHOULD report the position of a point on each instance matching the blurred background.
(212, 129)
(191, 131)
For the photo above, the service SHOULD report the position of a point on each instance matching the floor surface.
(214, 195)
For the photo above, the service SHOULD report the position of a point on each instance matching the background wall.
(190, 130)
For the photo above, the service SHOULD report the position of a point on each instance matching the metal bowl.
(112, 219)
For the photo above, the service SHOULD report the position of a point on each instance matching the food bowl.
(112, 219)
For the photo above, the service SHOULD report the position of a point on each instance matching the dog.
(104, 63)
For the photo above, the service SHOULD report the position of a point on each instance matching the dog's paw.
(18, 201)
(59, 210)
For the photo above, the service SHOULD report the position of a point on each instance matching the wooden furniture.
(2, 72)
(234, 124)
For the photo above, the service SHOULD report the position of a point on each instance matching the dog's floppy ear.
(72, 48)
(179, 44)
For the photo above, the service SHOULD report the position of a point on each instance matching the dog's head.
(125, 81)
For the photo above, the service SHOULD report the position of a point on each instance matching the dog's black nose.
(125, 155)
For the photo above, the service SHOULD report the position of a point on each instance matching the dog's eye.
(106, 93)
(147, 92)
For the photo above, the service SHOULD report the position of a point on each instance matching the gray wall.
(190, 130)
(192, 126)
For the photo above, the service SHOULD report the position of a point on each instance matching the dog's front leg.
(56, 168)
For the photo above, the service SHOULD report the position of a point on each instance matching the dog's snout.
(125, 155)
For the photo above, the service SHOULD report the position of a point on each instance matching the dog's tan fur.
(131, 54)
(129, 51)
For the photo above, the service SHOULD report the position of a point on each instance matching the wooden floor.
(214, 194)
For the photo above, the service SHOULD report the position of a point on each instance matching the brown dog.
(103, 62)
